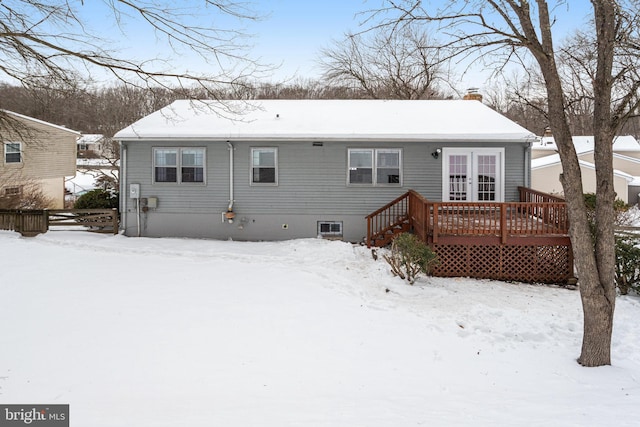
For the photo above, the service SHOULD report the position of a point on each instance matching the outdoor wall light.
(436, 153)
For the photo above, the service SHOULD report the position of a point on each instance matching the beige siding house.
(35, 154)
(546, 167)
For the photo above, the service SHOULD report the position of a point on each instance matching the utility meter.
(134, 191)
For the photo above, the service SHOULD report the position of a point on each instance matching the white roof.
(42, 122)
(554, 159)
(585, 144)
(460, 120)
(90, 138)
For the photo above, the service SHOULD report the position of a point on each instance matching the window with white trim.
(13, 152)
(370, 166)
(264, 166)
(179, 165)
(330, 228)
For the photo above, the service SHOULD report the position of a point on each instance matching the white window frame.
(330, 233)
(472, 186)
(6, 152)
(179, 165)
(374, 165)
(253, 166)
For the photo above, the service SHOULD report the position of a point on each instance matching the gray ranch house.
(285, 169)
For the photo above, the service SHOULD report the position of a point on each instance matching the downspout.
(229, 215)
(123, 186)
(527, 163)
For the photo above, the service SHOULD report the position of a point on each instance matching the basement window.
(13, 191)
(330, 228)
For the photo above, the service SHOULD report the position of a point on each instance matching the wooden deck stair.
(388, 221)
(386, 236)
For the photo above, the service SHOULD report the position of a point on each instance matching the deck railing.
(525, 241)
(497, 219)
(538, 214)
(387, 217)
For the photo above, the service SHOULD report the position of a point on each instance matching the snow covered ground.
(176, 332)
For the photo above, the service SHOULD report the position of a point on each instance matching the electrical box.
(134, 191)
(152, 202)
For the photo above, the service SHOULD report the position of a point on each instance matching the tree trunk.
(595, 273)
(599, 297)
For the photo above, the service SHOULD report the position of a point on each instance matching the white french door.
(473, 174)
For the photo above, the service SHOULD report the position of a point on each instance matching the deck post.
(503, 224)
(436, 227)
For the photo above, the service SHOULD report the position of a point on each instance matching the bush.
(410, 257)
(619, 206)
(627, 265)
(97, 199)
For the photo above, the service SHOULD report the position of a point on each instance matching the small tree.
(410, 257)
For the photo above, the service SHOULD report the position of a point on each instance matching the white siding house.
(546, 168)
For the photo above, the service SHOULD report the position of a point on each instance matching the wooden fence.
(33, 222)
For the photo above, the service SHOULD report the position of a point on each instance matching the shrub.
(29, 195)
(97, 199)
(619, 206)
(410, 257)
(627, 265)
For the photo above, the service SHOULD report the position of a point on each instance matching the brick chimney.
(473, 93)
(547, 132)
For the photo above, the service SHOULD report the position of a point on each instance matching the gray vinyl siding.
(312, 186)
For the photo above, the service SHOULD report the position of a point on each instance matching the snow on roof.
(90, 138)
(42, 122)
(554, 159)
(327, 119)
(585, 144)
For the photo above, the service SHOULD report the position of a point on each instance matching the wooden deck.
(524, 241)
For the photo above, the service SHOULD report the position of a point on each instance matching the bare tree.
(18, 193)
(402, 64)
(47, 44)
(515, 30)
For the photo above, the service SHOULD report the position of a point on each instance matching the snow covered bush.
(97, 199)
(410, 257)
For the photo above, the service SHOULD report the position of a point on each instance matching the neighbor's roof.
(458, 120)
(585, 144)
(42, 122)
(554, 159)
(90, 138)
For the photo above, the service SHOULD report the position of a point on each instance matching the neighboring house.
(546, 168)
(90, 145)
(36, 155)
(303, 168)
